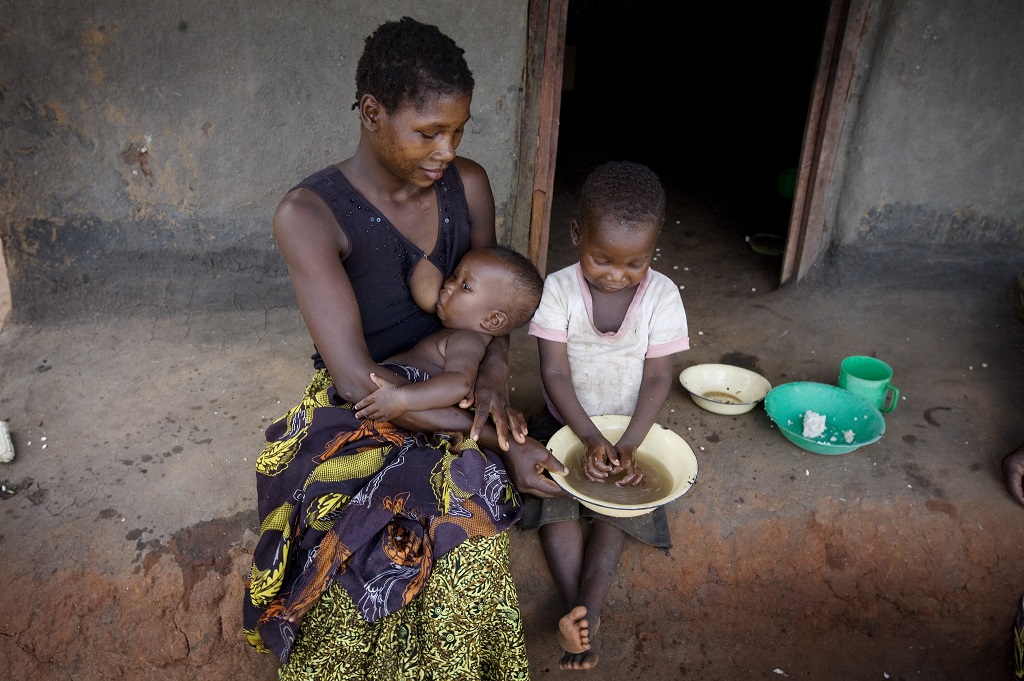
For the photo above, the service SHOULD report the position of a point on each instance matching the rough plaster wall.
(937, 155)
(146, 145)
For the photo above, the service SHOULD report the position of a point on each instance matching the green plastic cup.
(871, 378)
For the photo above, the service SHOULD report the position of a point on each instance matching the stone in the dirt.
(6, 446)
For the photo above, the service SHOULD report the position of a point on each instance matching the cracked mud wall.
(146, 146)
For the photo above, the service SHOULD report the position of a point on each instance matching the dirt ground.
(127, 517)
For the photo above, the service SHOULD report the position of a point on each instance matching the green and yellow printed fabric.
(364, 510)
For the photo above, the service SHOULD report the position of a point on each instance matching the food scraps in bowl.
(666, 459)
(724, 388)
(823, 418)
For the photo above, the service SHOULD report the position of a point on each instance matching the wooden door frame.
(829, 106)
(827, 112)
(542, 103)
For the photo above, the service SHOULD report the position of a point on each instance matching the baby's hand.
(383, 404)
(600, 461)
(627, 462)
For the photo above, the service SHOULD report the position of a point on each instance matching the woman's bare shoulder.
(472, 173)
(302, 214)
(480, 199)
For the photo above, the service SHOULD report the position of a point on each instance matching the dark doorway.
(712, 96)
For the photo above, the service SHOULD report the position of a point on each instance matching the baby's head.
(494, 290)
(619, 217)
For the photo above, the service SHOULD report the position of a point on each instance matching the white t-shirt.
(607, 368)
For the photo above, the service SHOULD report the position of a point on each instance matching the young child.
(607, 328)
(493, 291)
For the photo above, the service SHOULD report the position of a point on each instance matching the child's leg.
(604, 548)
(564, 548)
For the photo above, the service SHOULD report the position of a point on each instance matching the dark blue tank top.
(380, 258)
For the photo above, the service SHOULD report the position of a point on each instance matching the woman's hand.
(528, 464)
(490, 395)
(1013, 473)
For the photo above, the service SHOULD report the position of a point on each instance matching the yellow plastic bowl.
(724, 388)
(661, 444)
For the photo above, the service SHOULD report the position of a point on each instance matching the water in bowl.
(719, 396)
(656, 485)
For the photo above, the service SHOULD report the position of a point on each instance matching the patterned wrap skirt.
(382, 553)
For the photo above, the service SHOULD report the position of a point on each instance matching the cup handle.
(892, 394)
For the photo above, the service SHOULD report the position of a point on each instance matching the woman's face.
(417, 142)
(614, 257)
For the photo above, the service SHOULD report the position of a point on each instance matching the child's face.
(614, 257)
(472, 293)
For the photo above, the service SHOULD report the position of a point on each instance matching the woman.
(383, 550)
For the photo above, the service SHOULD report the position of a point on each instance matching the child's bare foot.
(586, 659)
(583, 661)
(574, 632)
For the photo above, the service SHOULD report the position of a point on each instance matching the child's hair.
(406, 61)
(525, 285)
(625, 190)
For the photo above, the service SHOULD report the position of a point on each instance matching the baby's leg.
(563, 548)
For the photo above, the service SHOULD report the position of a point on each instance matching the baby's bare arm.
(383, 404)
(462, 351)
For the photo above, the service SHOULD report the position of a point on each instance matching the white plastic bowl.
(724, 388)
(661, 444)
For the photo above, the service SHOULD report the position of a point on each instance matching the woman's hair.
(525, 285)
(405, 61)
(625, 190)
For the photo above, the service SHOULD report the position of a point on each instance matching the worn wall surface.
(936, 155)
(145, 145)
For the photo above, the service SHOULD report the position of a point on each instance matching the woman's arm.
(490, 392)
(526, 462)
(313, 246)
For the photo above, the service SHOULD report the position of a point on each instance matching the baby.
(493, 291)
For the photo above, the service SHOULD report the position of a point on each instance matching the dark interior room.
(712, 96)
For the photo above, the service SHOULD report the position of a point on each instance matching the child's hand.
(383, 404)
(627, 462)
(601, 459)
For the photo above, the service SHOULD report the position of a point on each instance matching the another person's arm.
(1013, 473)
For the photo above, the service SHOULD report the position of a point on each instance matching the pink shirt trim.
(668, 348)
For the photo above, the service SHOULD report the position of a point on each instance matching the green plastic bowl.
(850, 420)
